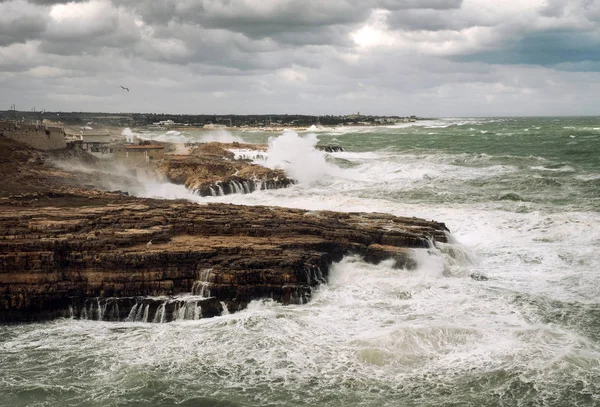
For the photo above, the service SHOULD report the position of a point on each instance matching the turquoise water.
(521, 197)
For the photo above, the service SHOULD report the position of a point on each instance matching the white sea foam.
(526, 247)
(128, 134)
(374, 335)
(588, 177)
(563, 168)
(150, 188)
(297, 156)
(221, 136)
(171, 136)
(373, 326)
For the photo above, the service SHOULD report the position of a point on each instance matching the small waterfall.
(115, 313)
(132, 313)
(188, 310)
(241, 186)
(97, 309)
(160, 313)
(100, 309)
(139, 313)
(146, 312)
(225, 309)
(149, 309)
(201, 286)
(319, 273)
(314, 275)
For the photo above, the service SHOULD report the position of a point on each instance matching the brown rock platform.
(67, 250)
(58, 251)
(212, 170)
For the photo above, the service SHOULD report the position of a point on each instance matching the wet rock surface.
(211, 170)
(69, 251)
(59, 250)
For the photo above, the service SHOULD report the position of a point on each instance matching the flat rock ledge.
(212, 170)
(64, 254)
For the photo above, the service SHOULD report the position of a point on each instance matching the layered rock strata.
(212, 170)
(72, 251)
(62, 252)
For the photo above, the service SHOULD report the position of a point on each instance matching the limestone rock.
(61, 250)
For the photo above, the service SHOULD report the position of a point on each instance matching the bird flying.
(123, 87)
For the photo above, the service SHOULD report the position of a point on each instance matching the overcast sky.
(401, 57)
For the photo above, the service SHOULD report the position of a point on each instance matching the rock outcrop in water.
(212, 170)
(61, 251)
(71, 251)
(330, 149)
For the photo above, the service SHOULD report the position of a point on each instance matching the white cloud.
(82, 19)
(293, 75)
(43, 71)
(429, 57)
(375, 32)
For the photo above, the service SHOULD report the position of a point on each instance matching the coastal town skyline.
(428, 58)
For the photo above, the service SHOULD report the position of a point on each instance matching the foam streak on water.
(507, 313)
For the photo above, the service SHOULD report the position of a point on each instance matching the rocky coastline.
(71, 251)
(211, 170)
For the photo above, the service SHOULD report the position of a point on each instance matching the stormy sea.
(507, 314)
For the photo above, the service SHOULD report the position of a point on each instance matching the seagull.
(149, 244)
(123, 87)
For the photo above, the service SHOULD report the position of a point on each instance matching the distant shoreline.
(264, 122)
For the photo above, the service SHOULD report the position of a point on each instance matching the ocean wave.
(554, 168)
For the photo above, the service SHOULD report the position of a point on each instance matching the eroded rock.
(55, 255)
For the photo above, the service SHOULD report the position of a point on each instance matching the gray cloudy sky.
(424, 57)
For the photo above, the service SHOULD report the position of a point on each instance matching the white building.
(164, 123)
(97, 143)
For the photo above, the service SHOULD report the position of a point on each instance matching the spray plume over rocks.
(212, 170)
(67, 249)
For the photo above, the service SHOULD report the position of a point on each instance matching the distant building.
(354, 116)
(139, 153)
(164, 123)
(97, 143)
(36, 135)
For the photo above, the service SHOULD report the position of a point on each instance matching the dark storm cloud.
(419, 4)
(20, 22)
(547, 48)
(22, 30)
(292, 22)
(553, 8)
(428, 20)
(51, 2)
(390, 56)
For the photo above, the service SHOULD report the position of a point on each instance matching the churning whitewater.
(505, 314)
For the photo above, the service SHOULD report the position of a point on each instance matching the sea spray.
(151, 188)
(115, 176)
(375, 335)
(297, 156)
(128, 134)
(220, 136)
